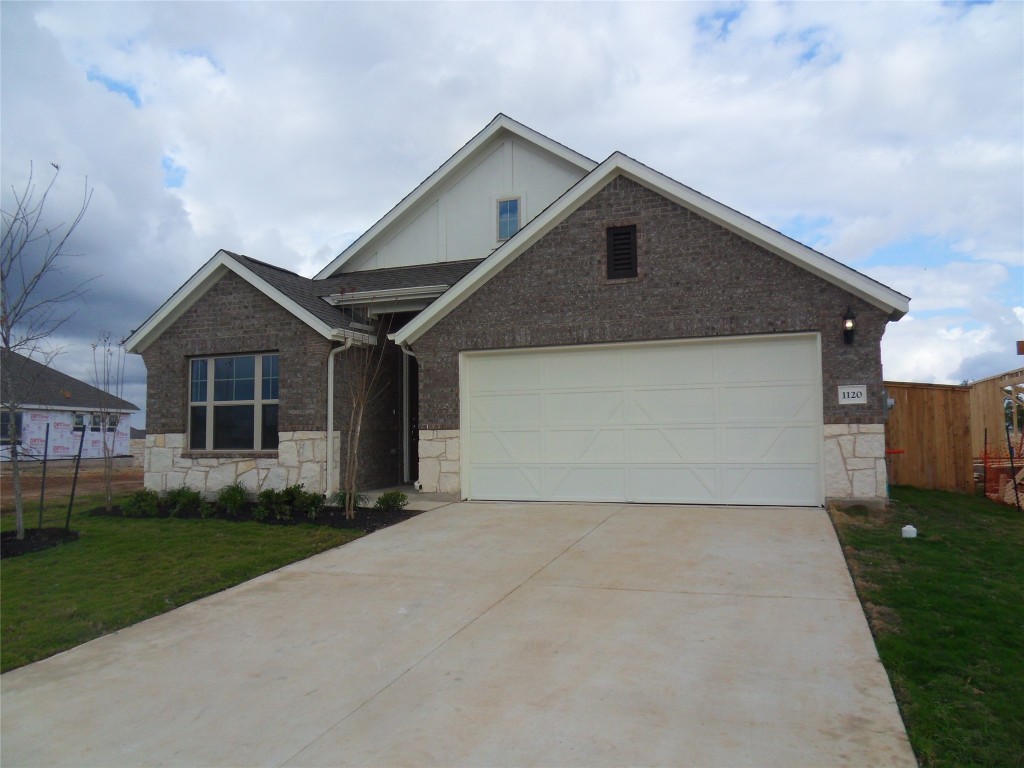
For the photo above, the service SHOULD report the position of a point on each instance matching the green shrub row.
(292, 504)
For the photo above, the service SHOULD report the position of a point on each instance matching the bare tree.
(32, 300)
(108, 360)
(366, 383)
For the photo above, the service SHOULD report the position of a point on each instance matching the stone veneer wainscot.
(301, 458)
(439, 460)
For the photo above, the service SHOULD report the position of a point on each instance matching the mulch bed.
(366, 519)
(35, 539)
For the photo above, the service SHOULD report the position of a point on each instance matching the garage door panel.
(771, 444)
(513, 409)
(769, 402)
(672, 445)
(591, 445)
(651, 366)
(667, 484)
(671, 406)
(709, 421)
(507, 446)
(767, 360)
(752, 484)
(584, 483)
(507, 483)
(504, 374)
(578, 407)
(600, 368)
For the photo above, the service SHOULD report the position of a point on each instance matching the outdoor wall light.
(849, 325)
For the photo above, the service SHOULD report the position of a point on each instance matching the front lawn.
(122, 571)
(947, 612)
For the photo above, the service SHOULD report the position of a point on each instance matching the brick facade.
(695, 280)
(235, 318)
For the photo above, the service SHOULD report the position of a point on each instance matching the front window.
(508, 218)
(7, 435)
(227, 410)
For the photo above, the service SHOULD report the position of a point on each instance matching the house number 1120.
(853, 395)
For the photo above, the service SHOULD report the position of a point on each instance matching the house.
(70, 408)
(556, 329)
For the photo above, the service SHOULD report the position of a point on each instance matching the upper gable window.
(621, 252)
(508, 218)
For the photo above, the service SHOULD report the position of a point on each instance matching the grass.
(123, 571)
(947, 612)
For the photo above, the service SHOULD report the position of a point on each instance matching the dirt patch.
(59, 476)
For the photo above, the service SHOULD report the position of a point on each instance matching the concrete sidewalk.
(494, 634)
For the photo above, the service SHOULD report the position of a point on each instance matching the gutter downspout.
(330, 415)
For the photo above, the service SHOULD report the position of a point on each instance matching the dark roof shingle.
(445, 273)
(38, 384)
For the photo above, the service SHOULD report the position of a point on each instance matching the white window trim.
(521, 197)
(210, 403)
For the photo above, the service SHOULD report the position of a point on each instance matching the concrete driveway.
(494, 634)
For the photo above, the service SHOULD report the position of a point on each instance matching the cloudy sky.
(888, 135)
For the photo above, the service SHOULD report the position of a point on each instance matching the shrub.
(184, 502)
(304, 504)
(338, 500)
(271, 505)
(232, 499)
(142, 503)
(391, 501)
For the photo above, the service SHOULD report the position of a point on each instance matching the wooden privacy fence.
(988, 412)
(928, 436)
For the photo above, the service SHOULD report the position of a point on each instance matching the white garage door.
(719, 422)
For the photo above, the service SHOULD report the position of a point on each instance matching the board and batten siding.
(459, 222)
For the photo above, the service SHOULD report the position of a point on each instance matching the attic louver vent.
(621, 252)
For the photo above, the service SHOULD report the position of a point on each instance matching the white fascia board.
(881, 296)
(73, 408)
(197, 286)
(358, 298)
(447, 170)
(894, 303)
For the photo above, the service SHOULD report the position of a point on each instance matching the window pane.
(197, 428)
(234, 378)
(270, 377)
(269, 436)
(198, 381)
(508, 218)
(233, 427)
(5, 428)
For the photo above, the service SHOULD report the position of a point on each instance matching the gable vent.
(621, 252)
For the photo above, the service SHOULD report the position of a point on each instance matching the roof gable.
(297, 294)
(892, 302)
(42, 386)
(449, 173)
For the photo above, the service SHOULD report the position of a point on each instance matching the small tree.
(108, 361)
(364, 369)
(31, 298)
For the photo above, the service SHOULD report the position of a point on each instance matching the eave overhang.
(203, 280)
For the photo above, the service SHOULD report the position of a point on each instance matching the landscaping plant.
(391, 501)
(232, 499)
